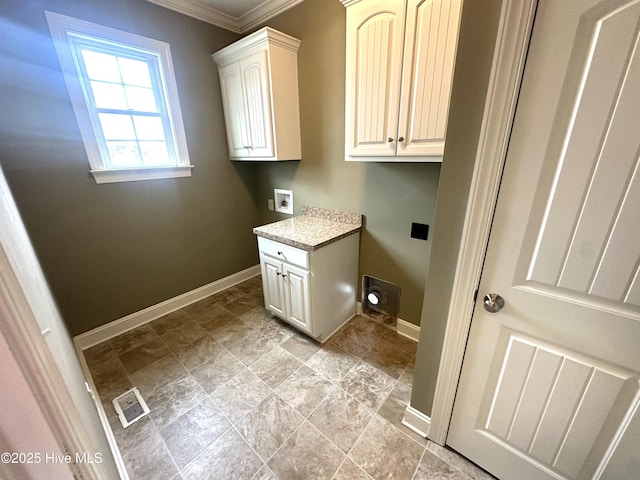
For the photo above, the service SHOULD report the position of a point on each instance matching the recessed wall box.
(284, 201)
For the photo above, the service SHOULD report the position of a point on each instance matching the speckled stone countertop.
(315, 228)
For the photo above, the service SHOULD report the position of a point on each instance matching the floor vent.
(130, 407)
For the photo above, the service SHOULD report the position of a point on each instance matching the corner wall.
(473, 67)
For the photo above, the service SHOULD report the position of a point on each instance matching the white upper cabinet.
(259, 83)
(400, 60)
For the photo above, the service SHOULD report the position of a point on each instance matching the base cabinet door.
(272, 284)
(297, 297)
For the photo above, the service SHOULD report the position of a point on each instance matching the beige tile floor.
(236, 394)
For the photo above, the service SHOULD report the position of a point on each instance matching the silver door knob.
(493, 302)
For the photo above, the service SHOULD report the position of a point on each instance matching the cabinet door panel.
(274, 297)
(431, 39)
(297, 295)
(234, 110)
(255, 77)
(374, 62)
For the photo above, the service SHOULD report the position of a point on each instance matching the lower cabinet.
(313, 291)
(287, 292)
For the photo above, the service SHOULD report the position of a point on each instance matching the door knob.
(493, 302)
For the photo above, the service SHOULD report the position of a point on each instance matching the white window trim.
(60, 25)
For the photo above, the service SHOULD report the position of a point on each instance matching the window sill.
(139, 174)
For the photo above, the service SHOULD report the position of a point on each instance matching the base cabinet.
(313, 291)
(286, 292)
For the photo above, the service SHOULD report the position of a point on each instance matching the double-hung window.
(125, 100)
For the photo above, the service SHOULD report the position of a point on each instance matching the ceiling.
(236, 15)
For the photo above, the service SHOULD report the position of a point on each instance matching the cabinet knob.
(278, 273)
(401, 139)
(389, 139)
(279, 253)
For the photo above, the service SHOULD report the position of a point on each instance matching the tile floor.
(236, 394)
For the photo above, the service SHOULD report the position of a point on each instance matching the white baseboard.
(404, 328)
(408, 330)
(417, 421)
(104, 419)
(124, 324)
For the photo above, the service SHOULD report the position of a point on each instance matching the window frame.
(63, 27)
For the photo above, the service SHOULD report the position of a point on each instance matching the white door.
(234, 110)
(255, 79)
(431, 40)
(272, 285)
(549, 385)
(375, 32)
(298, 297)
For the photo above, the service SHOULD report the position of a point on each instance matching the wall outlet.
(270, 203)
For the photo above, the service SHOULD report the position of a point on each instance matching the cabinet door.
(234, 110)
(272, 284)
(255, 80)
(431, 38)
(297, 295)
(375, 32)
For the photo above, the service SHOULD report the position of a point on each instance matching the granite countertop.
(315, 228)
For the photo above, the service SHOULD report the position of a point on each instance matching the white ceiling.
(236, 15)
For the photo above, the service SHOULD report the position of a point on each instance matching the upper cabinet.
(400, 59)
(259, 83)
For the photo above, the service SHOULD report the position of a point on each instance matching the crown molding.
(251, 19)
(264, 12)
(348, 3)
(264, 36)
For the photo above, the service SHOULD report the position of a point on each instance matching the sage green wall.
(113, 249)
(473, 65)
(391, 196)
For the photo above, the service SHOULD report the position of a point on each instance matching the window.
(125, 100)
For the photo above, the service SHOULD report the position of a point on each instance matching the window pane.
(109, 95)
(135, 72)
(101, 66)
(117, 127)
(155, 153)
(149, 128)
(141, 99)
(124, 154)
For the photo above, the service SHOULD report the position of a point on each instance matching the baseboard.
(124, 324)
(417, 421)
(409, 330)
(104, 420)
(404, 328)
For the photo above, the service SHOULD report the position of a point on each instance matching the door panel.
(272, 285)
(235, 113)
(298, 297)
(258, 99)
(375, 57)
(429, 53)
(556, 371)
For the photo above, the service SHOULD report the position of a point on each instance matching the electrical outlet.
(419, 231)
(270, 203)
